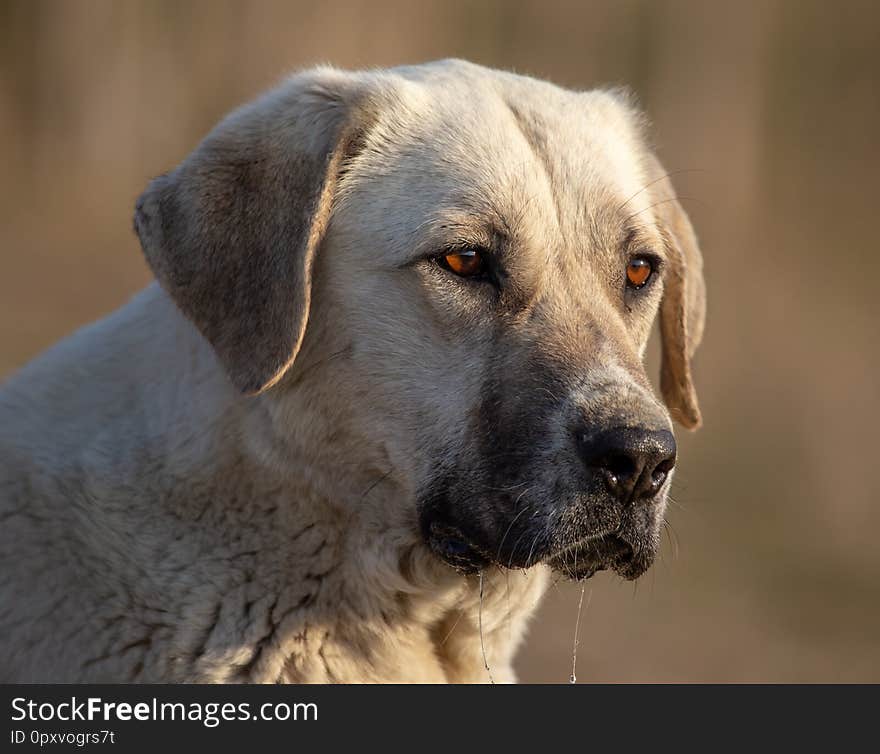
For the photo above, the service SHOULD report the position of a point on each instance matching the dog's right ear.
(232, 232)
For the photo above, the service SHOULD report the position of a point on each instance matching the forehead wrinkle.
(505, 172)
(537, 142)
(587, 188)
(612, 227)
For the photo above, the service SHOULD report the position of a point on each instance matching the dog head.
(486, 254)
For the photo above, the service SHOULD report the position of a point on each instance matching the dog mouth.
(452, 546)
(578, 561)
(605, 552)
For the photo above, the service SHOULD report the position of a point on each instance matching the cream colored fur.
(156, 524)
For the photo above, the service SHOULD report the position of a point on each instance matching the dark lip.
(578, 566)
(578, 560)
(456, 549)
(588, 556)
(576, 572)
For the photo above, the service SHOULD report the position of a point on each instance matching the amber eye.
(638, 271)
(466, 263)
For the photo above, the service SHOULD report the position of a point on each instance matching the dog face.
(488, 254)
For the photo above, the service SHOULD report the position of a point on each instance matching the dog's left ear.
(683, 308)
(232, 232)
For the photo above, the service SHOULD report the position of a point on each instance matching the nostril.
(666, 465)
(661, 471)
(620, 466)
(657, 479)
(658, 475)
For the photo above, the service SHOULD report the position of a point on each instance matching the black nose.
(634, 462)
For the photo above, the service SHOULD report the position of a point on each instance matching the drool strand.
(577, 624)
(480, 622)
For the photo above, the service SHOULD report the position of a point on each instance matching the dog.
(388, 379)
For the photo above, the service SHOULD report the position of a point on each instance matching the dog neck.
(371, 603)
(289, 562)
(204, 544)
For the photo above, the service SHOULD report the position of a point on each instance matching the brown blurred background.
(773, 108)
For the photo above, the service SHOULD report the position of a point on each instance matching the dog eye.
(466, 263)
(639, 271)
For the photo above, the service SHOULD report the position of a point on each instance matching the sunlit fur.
(157, 524)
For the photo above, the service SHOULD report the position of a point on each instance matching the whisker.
(510, 526)
(375, 484)
(514, 550)
(449, 633)
(672, 501)
(657, 180)
(507, 585)
(480, 623)
(367, 491)
(532, 548)
(665, 201)
(672, 536)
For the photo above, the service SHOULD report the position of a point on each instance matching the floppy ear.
(683, 308)
(231, 233)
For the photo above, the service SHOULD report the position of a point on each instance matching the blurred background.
(771, 110)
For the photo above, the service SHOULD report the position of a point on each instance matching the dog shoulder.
(74, 425)
(98, 376)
